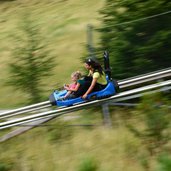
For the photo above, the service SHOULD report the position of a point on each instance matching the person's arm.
(67, 94)
(69, 90)
(76, 88)
(66, 87)
(73, 89)
(93, 83)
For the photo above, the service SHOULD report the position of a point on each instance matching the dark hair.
(94, 64)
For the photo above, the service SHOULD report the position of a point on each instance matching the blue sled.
(110, 90)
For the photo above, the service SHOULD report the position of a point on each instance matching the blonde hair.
(76, 74)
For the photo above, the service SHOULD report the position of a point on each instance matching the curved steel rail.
(26, 109)
(123, 83)
(62, 111)
(145, 78)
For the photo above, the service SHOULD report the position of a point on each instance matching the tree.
(152, 125)
(137, 34)
(31, 61)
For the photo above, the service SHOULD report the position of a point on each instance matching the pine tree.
(31, 61)
(138, 43)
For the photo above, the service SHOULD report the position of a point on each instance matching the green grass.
(63, 144)
(63, 26)
(60, 146)
(111, 149)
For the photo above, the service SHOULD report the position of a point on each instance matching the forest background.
(138, 37)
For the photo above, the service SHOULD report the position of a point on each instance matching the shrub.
(153, 126)
(4, 166)
(88, 164)
(164, 163)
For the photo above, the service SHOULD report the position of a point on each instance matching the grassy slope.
(64, 28)
(111, 149)
(63, 25)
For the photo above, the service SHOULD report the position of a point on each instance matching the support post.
(90, 40)
(106, 115)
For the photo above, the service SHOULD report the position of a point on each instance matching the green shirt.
(81, 81)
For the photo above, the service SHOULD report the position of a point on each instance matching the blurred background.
(43, 42)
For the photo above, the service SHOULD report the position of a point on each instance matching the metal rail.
(145, 78)
(59, 112)
(26, 108)
(147, 74)
(123, 83)
(4, 116)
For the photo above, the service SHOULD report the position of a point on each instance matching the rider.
(95, 81)
(74, 86)
(98, 81)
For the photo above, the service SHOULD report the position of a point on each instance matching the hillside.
(63, 24)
